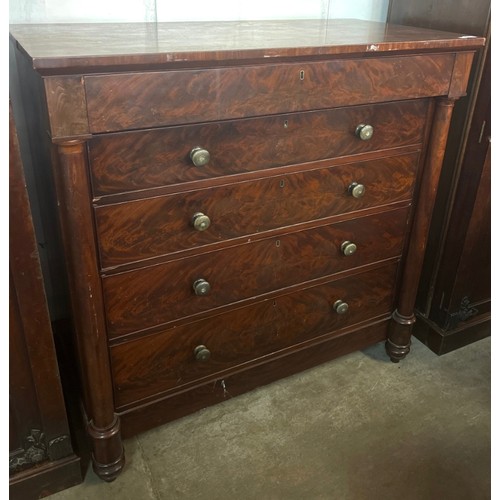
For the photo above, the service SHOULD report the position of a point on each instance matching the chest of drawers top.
(144, 75)
(70, 48)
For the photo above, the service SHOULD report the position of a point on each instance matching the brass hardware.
(356, 190)
(201, 353)
(340, 307)
(201, 287)
(200, 221)
(199, 156)
(301, 74)
(348, 248)
(364, 131)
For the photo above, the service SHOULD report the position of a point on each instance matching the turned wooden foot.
(108, 457)
(108, 472)
(396, 352)
(398, 342)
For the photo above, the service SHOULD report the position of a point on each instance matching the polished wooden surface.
(149, 366)
(308, 355)
(282, 133)
(139, 100)
(87, 306)
(398, 342)
(157, 226)
(159, 294)
(154, 158)
(68, 46)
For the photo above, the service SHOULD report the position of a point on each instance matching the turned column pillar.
(74, 198)
(403, 318)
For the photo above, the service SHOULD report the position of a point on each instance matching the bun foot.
(395, 352)
(108, 472)
(108, 457)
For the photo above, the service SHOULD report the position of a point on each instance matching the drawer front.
(148, 366)
(153, 99)
(148, 228)
(147, 159)
(159, 294)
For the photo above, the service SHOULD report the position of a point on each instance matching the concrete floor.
(359, 427)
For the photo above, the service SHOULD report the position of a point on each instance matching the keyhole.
(301, 74)
(282, 183)
(278, 243)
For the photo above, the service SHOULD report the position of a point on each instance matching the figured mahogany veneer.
(159, 294)
(277, 105)
(159, 362)
(152, 227)
(130, 101)
(148, 159)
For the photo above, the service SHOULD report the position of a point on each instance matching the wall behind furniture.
(57, 11)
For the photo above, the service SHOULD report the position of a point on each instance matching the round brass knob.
(201, 287)
(364, 131)
(356, 190)
(201, 353)
(199, 156)
(200, 221)
(348, 248)
(340, 307)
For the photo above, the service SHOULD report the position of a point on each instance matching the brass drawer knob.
(200, 221)
(201, 287)
(199, 156)
(348, 248)
(364, 131)
(356, 190)
(201, 353)
(340, 307)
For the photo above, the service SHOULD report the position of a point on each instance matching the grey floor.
(356, 428)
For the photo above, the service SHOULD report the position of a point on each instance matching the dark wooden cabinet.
(41, 457)
(237, 205)
(453, 301)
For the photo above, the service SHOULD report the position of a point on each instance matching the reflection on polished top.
(53, 46)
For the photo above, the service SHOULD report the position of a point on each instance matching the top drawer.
(139, 100)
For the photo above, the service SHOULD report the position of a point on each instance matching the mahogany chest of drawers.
(238, 201)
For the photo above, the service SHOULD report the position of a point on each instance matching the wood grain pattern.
(108, 47)
(142, 417)
(159, 294)
(148, 228)
(67, 107)
(460, 77)
(147, 159)
(233, 86)
(164, 361)
(140, 100)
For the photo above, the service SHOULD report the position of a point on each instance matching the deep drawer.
(162, 293)
(160, 362)
(148, 228)
(139, 100)
(146, 159)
